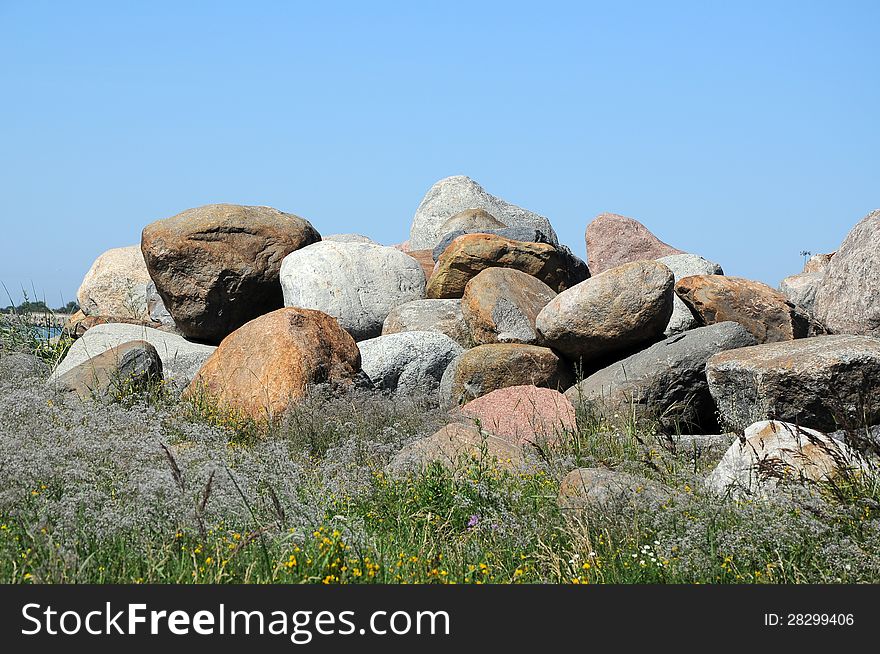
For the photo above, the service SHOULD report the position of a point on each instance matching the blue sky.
(742, 131)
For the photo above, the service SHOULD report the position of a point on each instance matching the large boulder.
(801, 289)
(216, 267)
(765, 312)
(116, 285)
(408, 362)
(667, 381)
(611, 312)
(613, 240)
(181, 359)
(452, 195)
(523, 414)
(126, 368)
(356, 283)
(272, 361)
(848, 299)
(485, 368)
(771, 452)
(500, 305)
(470, 254)
(456, 446)
(685, 265)
(824, 382)
(442, 316)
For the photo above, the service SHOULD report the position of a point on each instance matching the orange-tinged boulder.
(271, 361)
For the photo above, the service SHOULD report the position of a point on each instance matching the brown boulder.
(613, 240)
(523, 414)
(611, 312)
(470, 254)
(500, 305)
(486, 368)
(765, 312)
(217, 267)
(271, 361)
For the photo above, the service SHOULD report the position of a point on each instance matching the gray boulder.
(455, 194)
(667, 381)
(685, 265)
(801, 289)
(356, 283)
(823, 382)
(126, 368)
(848, 299)
(408, 362)
(181, 359)
(430, 315)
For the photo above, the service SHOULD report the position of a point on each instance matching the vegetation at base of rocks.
(148, 488)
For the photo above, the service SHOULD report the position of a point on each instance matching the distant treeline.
(40, 307)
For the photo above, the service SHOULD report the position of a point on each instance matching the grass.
(150, 489)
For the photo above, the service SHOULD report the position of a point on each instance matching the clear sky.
(742, 131)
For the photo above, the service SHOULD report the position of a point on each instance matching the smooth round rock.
(356, 283)
(408, 362)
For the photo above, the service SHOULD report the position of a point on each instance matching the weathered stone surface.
(454, 447)
(524, 234)
(613, 240)
(216, 267)
(129, 367)
(766, 313)
(349, 238)
(610, 312)
(425, 259)
(818, 263)
(271, 361)
(156, 309)
(471, 220)
(486, 368)
(821, 382)
(357, 283)
(116, 285)
(602, 488)
(442, 316)
(455, 194)
(801, 289)
(523, 414)
(848, 299)
(685, 265)
(667, 381)
(771, 452)
(470, 254)
(181, 358)
(408, 362)
(500, 305)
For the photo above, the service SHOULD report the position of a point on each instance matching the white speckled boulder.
(356, 283)
(408, 362)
